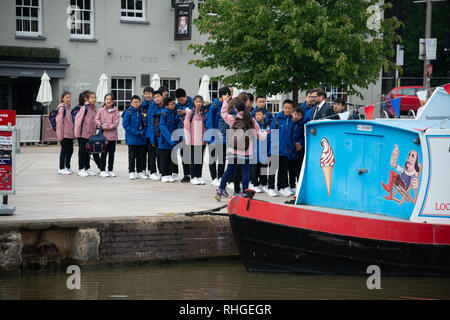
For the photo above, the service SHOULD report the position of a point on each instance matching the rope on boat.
(208, 212)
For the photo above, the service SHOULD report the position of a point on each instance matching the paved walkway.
(42, 194)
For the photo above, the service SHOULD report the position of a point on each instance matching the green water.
(210, 280)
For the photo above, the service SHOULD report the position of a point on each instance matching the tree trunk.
(295, 92)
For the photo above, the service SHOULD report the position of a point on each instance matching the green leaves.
(275, 46)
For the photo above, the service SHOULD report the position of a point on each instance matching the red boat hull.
(279, 238)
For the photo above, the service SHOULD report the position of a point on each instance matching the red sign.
(7, 116)
(429, 70)
(6, 160)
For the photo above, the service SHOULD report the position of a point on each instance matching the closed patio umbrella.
(45, 91)
(204, 89)
(102, 88)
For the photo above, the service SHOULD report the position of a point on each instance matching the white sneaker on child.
(64, 171)
(141, 175)
(265, 189)
(112, 174)
(132, 176)
(288, 190)
(293, 191)
(165, 179)
(195, 181)
(104, 174)
(201, 181)
(83, 173)
(284, 192)
(215, 182)
(257, 189)
(154, 177)
(70, 170)
(272, 193)
(90, 172)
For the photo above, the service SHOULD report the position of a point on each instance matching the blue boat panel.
(361, 176)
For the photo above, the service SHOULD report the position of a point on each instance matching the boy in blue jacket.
(261, 104)
(282, 122)
(135, 138)
(153, 115)
(215, 121)
(169, 122)
(148, 99)
(260, 171)
(183, 102)
(296, 154)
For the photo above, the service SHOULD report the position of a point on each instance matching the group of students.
(156, 125)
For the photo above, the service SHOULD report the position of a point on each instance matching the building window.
(82, 15)
(133, 10)
(333, 93)
(122, 90)
(213, 89)
(28, 18)
(170, 84)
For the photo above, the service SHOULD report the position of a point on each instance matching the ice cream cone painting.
(327, 162)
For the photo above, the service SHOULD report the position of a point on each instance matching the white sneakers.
(104, 174)
(83, 173)
(286, 192)
(64, 171)
(215, 182)
(155, 177)
(111, 173)
(257, 189)
(132, 176)
(167, 179)
(197, 181)
(90, 172)
(272, 193)
(141, 175)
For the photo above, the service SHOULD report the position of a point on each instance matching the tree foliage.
(290, 45)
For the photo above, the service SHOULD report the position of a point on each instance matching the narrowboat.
(370, 192)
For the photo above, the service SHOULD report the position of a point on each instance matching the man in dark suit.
(322, 109)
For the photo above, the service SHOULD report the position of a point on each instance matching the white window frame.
(115, 91)
(336, 92)
(168, 87)
(91, 21)
(39, 19)
(126, 10)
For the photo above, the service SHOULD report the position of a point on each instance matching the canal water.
(210, 279)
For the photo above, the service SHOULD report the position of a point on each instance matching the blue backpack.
(77, 109)
(97, 143)
(52, 117)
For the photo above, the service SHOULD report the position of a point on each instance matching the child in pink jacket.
(86, 126)
(108, 119)
(64, 133)
(242, 152)
(194, 133)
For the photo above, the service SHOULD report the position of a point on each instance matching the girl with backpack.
(64, 133)
(108, 119)
(84, 127)
(240, 144)
(194, 133)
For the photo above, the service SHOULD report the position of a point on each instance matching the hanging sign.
(183, 17)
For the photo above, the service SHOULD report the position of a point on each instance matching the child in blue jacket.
(282, 122)
(135, 138)
(183, 102)
(153, 115)
(260, 171)
(169, 122)
(296, 154)
(217, 149)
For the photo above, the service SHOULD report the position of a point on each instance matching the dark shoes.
(185, 179)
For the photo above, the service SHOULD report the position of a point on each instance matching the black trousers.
(282, 179)
(109, 152)
(167, 165)
(153, 159)
(196, 163)
(66, 153)
(83, 155)
(294, 168)
(237, 178)
(217, 166)
(186, 165)
(136, 158)
(261, 175)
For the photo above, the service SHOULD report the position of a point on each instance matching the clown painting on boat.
(371, 192)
